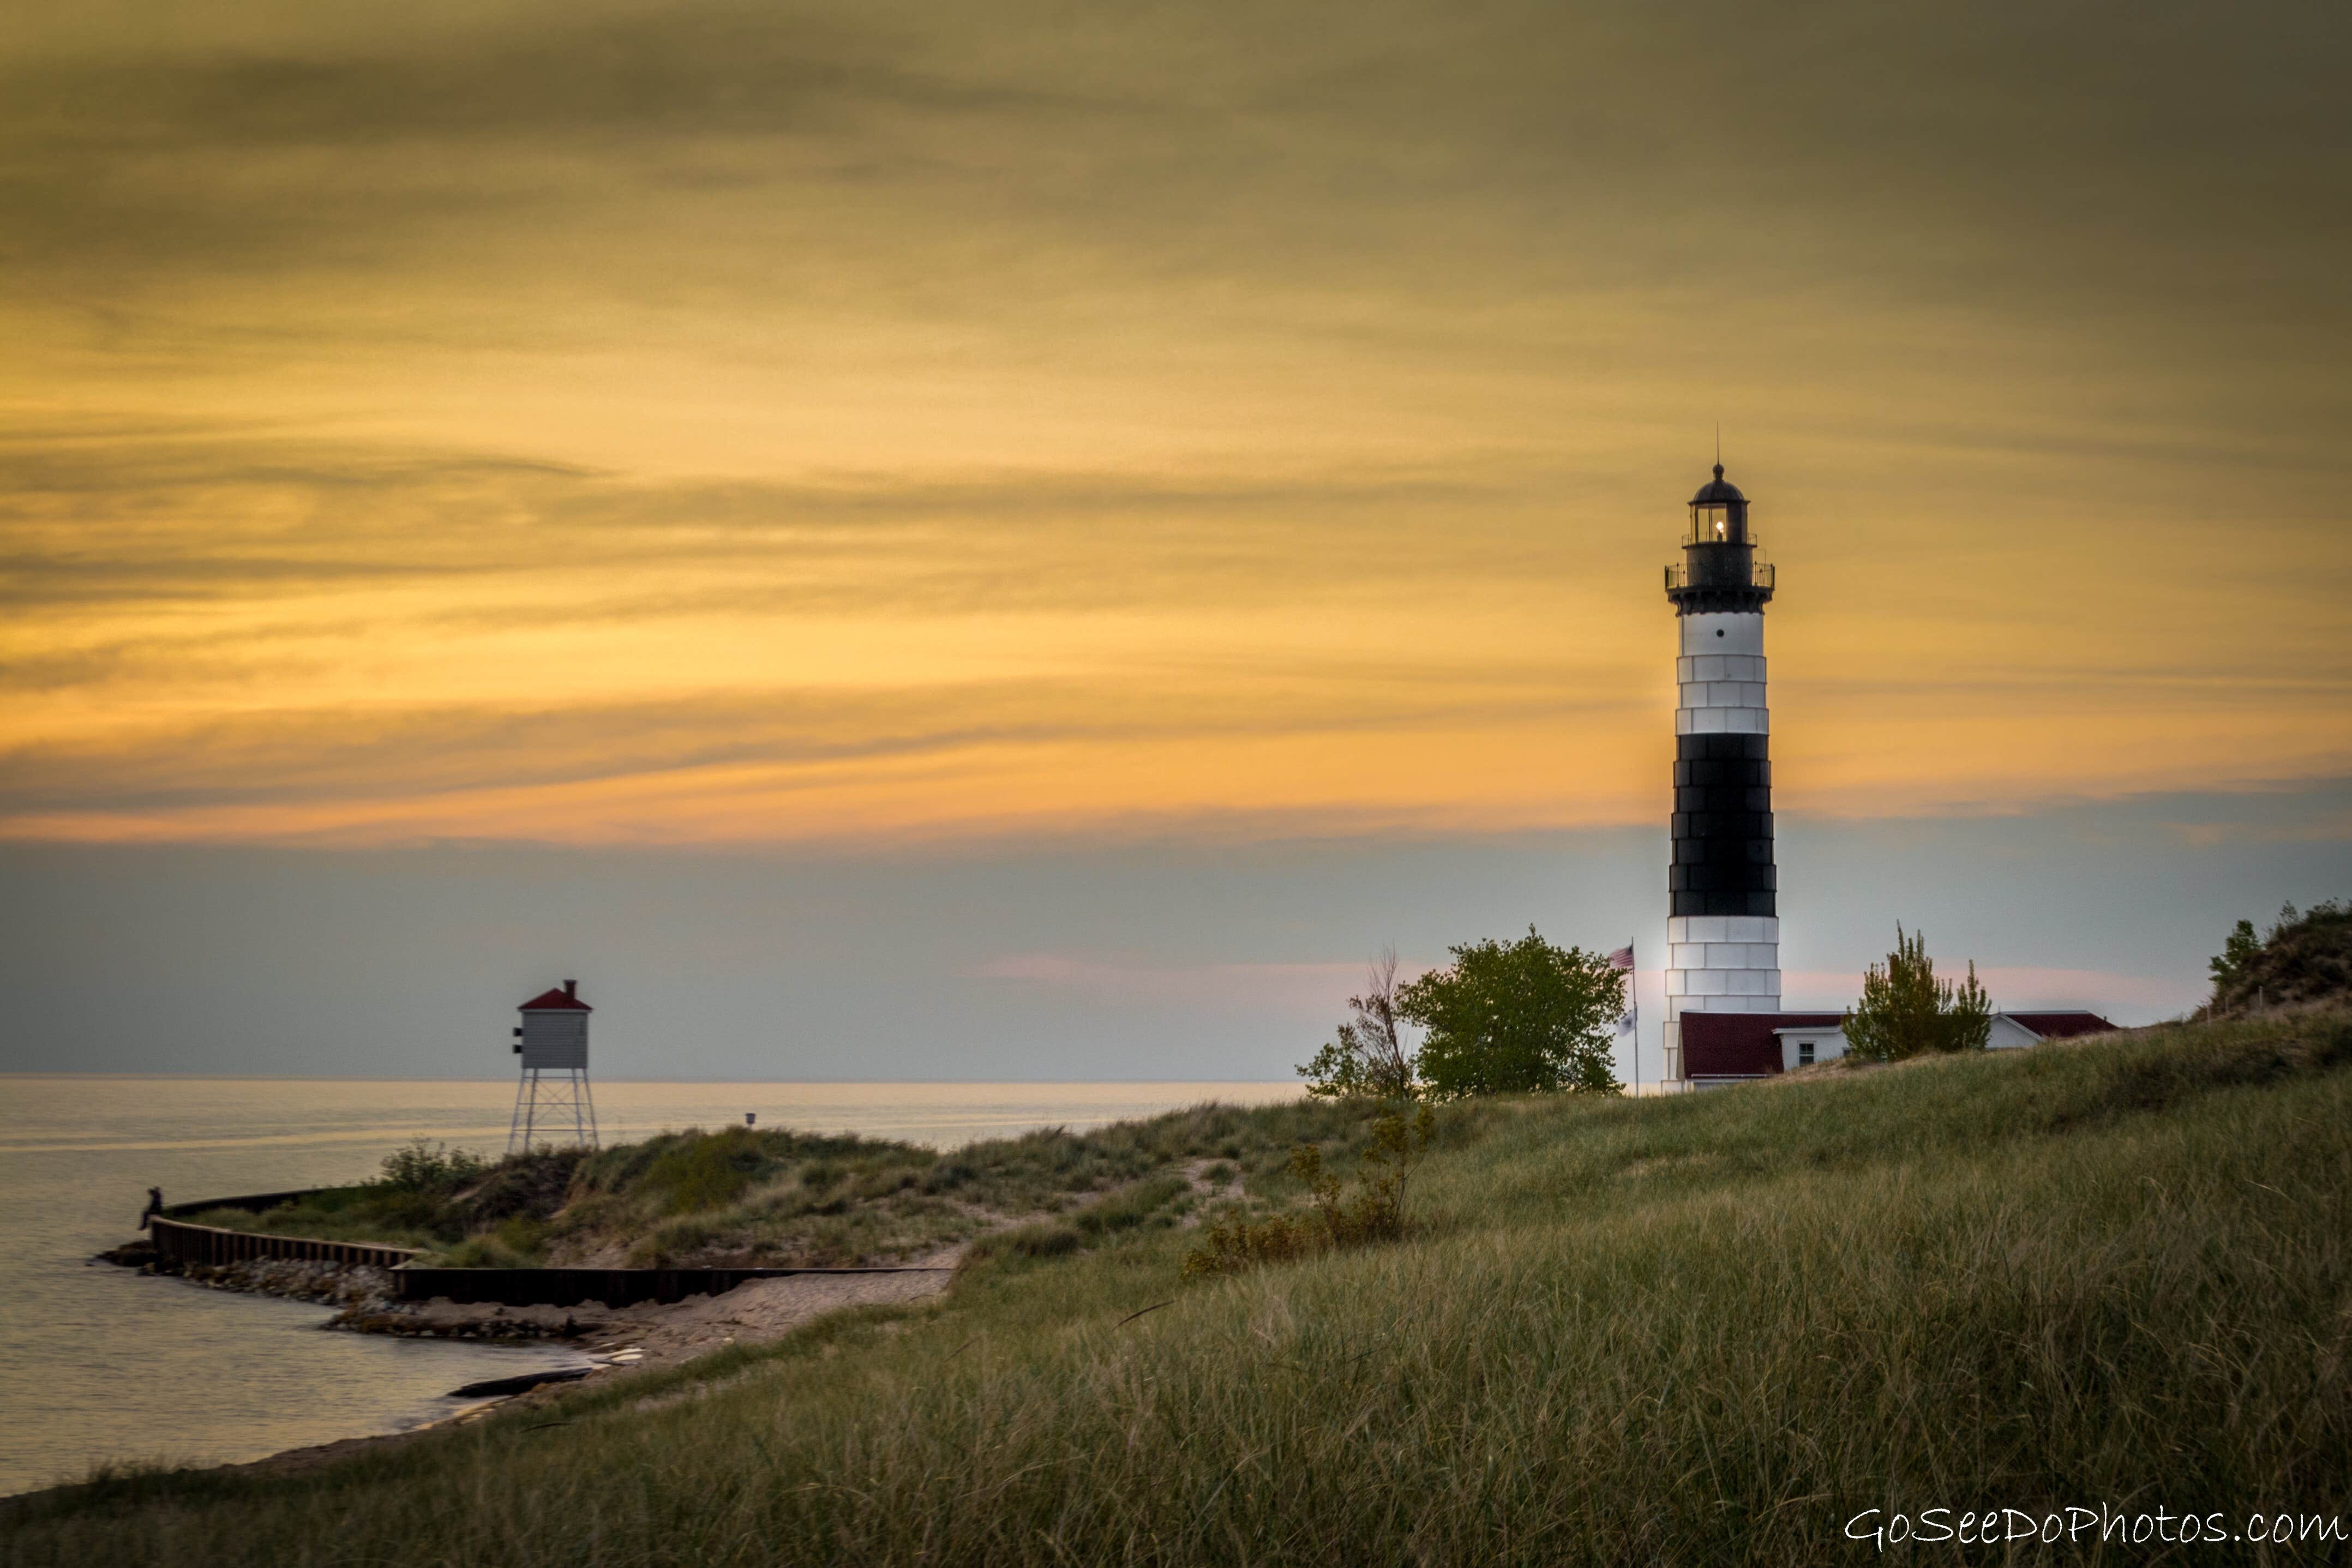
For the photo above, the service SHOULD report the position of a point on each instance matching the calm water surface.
(98, 1364)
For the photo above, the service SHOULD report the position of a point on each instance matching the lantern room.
(1719, 513)
(1719, 571)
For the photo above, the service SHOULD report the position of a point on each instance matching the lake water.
(101, 1363)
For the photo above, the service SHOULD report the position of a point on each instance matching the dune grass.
(744, 1197)
(1704, 1329)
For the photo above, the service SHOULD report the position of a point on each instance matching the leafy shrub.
(1367, 1057)
(1231, 1243)
(417, 1166)
(1516, 1018)
(1374, 1212)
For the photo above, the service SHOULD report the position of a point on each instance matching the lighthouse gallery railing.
(1678, 575)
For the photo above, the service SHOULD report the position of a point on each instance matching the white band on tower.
(1721, 674)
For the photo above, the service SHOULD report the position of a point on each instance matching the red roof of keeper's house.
(1741, 1045)
(557, 999)
(2063, 1025)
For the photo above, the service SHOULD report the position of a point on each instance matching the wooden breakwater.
(209, 1246)
(611, 1288)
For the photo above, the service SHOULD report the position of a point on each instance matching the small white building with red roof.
(553, 1034)
(1739, 1047)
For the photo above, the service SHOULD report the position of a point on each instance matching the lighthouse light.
(1711, 525)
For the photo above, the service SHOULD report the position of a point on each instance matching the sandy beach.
(623, 1344)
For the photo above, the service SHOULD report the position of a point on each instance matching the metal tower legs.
(552, 1104)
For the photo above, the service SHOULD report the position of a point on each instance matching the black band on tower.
(1722, 827)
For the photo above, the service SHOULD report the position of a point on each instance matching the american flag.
(1624, 959)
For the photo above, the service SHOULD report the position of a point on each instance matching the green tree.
(2236, 955)
(1905, 1011)
(1515, 1018)
(2306, 958)
(419, 1166)
(1367, 1059)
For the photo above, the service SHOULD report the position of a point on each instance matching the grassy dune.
(1701, 1330)
(738, 1197)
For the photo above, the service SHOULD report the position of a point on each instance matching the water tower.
(551, 1102)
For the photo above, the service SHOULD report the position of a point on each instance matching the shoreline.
(618, 1342)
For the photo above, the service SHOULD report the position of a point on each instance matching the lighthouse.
(1723, 926)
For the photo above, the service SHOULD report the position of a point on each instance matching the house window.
(1804, 1054)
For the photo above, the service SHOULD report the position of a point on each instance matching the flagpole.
(1630, 1020)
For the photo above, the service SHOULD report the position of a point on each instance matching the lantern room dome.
(1717, 492)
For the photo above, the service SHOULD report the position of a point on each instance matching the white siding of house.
(1828, 1043)
(2008, 1034)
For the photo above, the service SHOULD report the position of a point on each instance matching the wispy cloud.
(713, 421)
(1143, 977)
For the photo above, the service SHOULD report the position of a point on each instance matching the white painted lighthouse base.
(1718, 964)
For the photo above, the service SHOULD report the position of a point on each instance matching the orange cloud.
(716, 427)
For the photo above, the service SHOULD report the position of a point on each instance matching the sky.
(1030, 539)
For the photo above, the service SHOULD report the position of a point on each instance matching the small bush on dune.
(1367, 1057)
(1374, 1212)
(1233, 1243)
(417, 1166)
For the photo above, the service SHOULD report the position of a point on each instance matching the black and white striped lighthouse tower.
(1723, 926)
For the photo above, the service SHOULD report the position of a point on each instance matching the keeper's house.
(1739, 1048)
